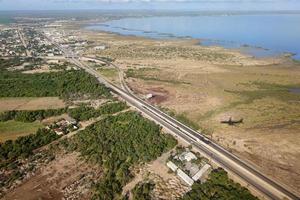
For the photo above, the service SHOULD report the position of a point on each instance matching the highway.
(230, 162)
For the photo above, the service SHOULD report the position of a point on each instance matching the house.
(58, 131)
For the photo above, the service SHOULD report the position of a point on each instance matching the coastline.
(253, 48)
(268, 60)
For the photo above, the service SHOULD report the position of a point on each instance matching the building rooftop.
(172, 166)
(185, 177)
(187, 156)
(201, 172)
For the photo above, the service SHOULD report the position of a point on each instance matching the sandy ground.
(168, 186)
(53, 180)
(30, 103)
(195, 81)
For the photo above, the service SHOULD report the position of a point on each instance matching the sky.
(151, 4)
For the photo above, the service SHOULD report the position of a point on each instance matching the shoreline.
(270, 60)
(257, 51)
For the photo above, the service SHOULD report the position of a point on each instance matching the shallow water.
(294, 90)
(257, 34)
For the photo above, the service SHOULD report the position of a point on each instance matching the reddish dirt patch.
(157, 99)
(159, 95)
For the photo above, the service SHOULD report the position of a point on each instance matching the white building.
(172, 166)
(149, 96)
(187, 156)
(185, 177)
(201, 172)
(101, 47)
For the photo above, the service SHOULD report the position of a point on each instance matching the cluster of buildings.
(64, 126)
(21, 42)
(188, 166)
(68, 40)
(11, 43)
(38, 45)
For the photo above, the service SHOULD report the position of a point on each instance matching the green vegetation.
(23, 146)
(118, 143)
(142, 74)
(80, 113)
(10, 130)
(108, 72)
(65, 84)
(30, 116)
(220, 187)
(264, 90)
(280, 92)
(107, 59)
(83, 112)
(142, 191)
(16, 61)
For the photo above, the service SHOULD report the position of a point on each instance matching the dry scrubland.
(67, 176)
(30, 103)
(210, 84)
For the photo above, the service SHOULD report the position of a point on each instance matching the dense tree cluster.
(4, 63)
(220, 187)
(65, 84)
(83, 112)
(117, 143)
(30, 115)
(24, 145)
(80, 113)
(17, 61)
(142, 191)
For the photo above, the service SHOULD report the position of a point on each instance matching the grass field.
(108, 72)
(11, 130)
(30, 103)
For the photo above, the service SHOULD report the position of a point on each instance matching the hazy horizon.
(181, 5)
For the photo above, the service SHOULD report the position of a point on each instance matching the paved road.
(28, 53)
(221, 156)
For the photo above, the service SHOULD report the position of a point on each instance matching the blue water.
(257, 34)
(294, 90)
